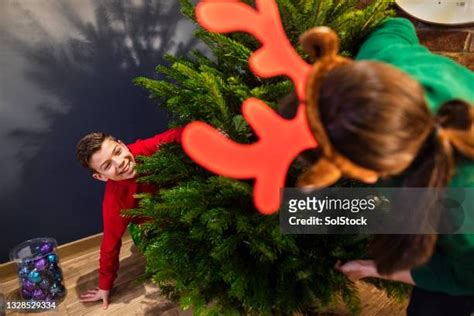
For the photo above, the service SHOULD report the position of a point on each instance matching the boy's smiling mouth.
(127, 168)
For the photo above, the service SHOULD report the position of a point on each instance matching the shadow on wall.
(62, 77)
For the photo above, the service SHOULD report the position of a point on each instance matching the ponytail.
(453, 132)
(457, 121)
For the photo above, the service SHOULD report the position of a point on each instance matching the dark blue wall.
(66, 69)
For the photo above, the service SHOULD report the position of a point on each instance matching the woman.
(403, 113)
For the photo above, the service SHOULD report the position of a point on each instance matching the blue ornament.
(34, 276)
(58, 276)
(44, 284)
(30, 265)
(57, 289)
(24, 271)
(54, 289)
(53, 267)
(62, 290)
(52, 258)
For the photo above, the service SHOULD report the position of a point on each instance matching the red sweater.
(119, 195)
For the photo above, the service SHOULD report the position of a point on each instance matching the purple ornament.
(25, 293)
(46, 248)
(29, 286)
(41, 264)
(49, 298)
(38, 295)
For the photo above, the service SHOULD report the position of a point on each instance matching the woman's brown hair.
(377, 117)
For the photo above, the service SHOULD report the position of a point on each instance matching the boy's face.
(113, 161)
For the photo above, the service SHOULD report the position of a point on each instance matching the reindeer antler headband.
(280, 140)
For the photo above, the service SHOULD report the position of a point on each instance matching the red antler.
(280, 140)
(267, 160)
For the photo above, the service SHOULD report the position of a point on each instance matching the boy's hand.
(357, 269)
(96, 295)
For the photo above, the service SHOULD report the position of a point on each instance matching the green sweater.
(451, 269)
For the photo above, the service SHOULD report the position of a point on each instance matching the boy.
(113, 162)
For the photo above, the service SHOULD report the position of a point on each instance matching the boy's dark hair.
(89, 145)
(377, 116)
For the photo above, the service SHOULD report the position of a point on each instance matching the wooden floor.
(131, 297)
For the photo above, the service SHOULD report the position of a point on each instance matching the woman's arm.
(437, 275)
(392, 34)
(359, 269)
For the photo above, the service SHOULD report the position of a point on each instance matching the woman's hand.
(96, 295)
(358, 269)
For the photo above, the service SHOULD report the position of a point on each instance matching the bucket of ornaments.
(41, 278)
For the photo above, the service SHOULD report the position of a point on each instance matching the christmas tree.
(206, 245)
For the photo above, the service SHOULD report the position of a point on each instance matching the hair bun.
(455, 114)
